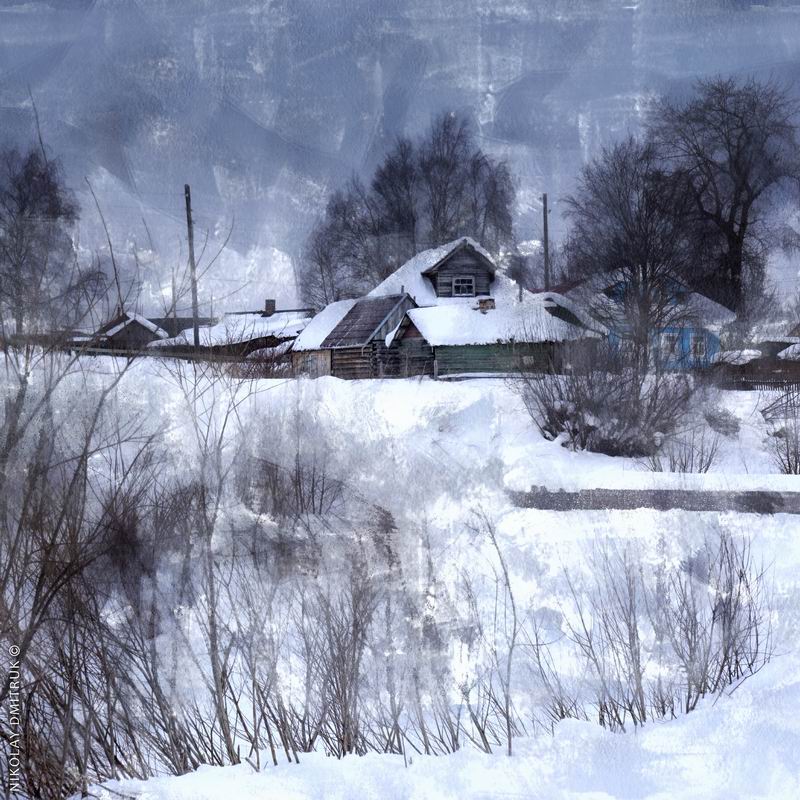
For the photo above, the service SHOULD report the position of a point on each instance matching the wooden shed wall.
(312, 362)
(462, 264)
(353, 363)
(411, 356)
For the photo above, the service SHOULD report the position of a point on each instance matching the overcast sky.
(264, 107)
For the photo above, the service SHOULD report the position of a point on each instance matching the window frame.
(698, 338)
(471, 279)
(675, 350)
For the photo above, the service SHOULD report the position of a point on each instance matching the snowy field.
(436, 454)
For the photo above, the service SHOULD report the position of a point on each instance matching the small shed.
(308, 356)
(127, 332)
(348, 339)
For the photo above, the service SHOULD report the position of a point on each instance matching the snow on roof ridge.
(132, 316)
(531, 321)
(790, 353)
(410, 278)
(321, 325)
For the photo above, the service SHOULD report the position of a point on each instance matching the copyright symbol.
(14, 650)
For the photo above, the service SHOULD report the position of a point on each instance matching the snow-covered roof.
(707, 311)
(236, 328)
(736, 358)
(269, 353)
(773, 332)
(529, 321)
(130, 317)
(363, 320)
(791, 353)
(591, 294)
(319, 328)
(410, 279)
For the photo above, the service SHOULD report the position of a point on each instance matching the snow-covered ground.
(435, 454)
(742, 746)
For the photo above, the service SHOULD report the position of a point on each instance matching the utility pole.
(174, 303)
(546, 245)
(192, 266)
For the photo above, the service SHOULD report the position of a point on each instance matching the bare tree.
(734, 145)
(41, 284)
(422, 194)
(627, 240)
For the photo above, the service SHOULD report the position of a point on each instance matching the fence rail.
(760, 384)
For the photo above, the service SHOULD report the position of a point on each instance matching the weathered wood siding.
(313, 363)
(462, 264)
(496, 358)
(353, 363)
(411, 356)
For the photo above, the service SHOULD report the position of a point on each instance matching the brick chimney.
(269, 307)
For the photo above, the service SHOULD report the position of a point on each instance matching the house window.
(464, 287)
(669, 346)
(698, 347)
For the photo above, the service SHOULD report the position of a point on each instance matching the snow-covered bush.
(606, 405)
(722, 421)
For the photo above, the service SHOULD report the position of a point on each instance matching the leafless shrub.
(693, 451)
(715, 611)
(703, 626)
(345, 616)
(784, 445)
(606, 406)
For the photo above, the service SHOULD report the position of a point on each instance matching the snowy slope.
(465, 444)
(743, 746)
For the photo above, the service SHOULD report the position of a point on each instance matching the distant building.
(241, 333)
(126, 332)
(236, 334)
(688, 336)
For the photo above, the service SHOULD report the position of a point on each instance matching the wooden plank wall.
(495, 358)
(312, 363)
(413, 356)
(463, 264)
(353, 363)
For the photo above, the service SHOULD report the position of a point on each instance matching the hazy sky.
(265, 106)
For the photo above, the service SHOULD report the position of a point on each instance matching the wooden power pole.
(192, 266)
(546, 245)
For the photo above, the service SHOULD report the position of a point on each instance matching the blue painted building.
(690, 341)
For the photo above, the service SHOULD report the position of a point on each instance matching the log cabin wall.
(462, 264)
(353, 363)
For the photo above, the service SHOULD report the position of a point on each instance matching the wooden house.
(127, 331)
(446, 311)
(539, 334)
